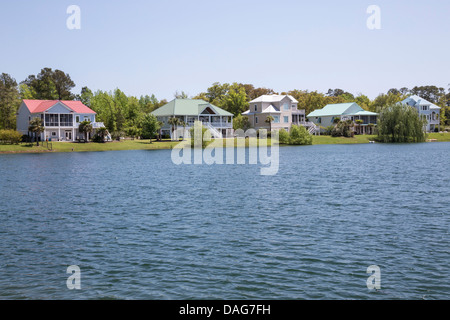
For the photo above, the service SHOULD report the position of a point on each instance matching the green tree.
(51, 85)
(181, 95)
(9, 101)
(102, 133)
(86, 96)
(235, 100)
(269, 120)
(37, 127)
(253, 93)
(63, 85)
(174, 122)
(85, 128)
(150, 126)
(401, 123)
(384, 100)
(241, 122)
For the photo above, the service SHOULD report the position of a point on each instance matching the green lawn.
(87, 147)
(342, 140)
(167, 144)
(439, 136)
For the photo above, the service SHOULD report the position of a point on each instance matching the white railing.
(214, 132)
(97, 125)
(213, 124)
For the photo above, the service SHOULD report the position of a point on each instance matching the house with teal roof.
(344, 111)
(217, 120)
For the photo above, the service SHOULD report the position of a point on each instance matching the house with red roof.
(61, 119)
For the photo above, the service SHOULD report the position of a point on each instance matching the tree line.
(125, 114)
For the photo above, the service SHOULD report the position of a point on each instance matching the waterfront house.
(428, 110)
(282, 108)
(344, 111)
(218, 121)
(61, 119)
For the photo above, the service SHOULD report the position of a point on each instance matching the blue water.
(140, 227)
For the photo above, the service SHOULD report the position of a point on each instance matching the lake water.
(140, 227)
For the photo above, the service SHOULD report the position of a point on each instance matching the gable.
(59, 108)
(354, 108)
(208, 110)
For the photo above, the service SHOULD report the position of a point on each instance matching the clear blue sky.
(145, 47)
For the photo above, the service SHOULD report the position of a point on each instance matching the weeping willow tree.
(401, 123)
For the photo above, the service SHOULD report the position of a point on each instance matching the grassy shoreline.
(166, 144)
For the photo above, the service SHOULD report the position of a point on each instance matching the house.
(344, 111)
(217, 120)
(427, 109)
(283, 109)
(61, 119)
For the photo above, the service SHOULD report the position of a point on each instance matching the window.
(286, 119)
(256, 119)
(51, 120)
(53, 134)
(276, 119)
(77, 119)
(256, 107)
(65, 120)
(286, 106)
(293, 107)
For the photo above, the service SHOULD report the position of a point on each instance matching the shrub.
(10, 136)
(283, 136)
(299, 136)
(342, 129)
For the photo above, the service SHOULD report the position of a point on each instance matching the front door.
(69, 135)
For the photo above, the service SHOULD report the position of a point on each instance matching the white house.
(218, 121)
(61, 119)
(283, 109)
(427, 109)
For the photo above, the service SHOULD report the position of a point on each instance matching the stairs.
(214, 132)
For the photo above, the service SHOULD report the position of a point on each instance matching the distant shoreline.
(58, 147)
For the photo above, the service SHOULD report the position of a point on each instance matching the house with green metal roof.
(217, 120)
(344, 111)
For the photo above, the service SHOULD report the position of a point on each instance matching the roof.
(273, 98)
(188, 107)
(418, 101)
(340, 109)
(271, 109)
(39, 106)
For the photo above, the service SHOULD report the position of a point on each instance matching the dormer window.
(256, 107)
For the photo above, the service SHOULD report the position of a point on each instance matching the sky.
(160, 47)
